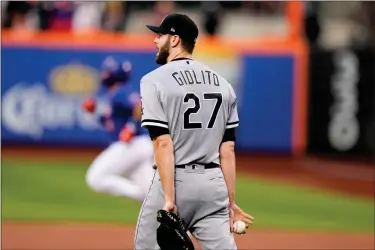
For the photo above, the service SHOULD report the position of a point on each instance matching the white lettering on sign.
(30, 109)
(344, 131)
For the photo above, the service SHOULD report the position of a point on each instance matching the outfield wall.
(45, 77)
(342, 102)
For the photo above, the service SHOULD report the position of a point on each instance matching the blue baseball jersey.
(121, 102)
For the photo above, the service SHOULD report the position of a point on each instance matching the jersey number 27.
(197, 106)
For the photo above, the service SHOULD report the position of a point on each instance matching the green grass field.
(53, 191)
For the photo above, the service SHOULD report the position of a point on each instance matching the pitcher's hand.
(236, 214)
(170, 207)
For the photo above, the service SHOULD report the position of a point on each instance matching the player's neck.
(179, 54)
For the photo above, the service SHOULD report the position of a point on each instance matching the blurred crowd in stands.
(115, 16)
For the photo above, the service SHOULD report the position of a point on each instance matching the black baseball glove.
(171, 234)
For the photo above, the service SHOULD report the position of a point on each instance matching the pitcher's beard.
(162, 56)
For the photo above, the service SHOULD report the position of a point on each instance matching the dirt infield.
(346, 177)
(36, 236)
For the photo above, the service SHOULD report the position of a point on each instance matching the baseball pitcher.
(190, 112)
(124, 167)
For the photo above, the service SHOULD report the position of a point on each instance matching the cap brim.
(154, 29)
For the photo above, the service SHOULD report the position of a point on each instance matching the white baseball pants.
(123, 169)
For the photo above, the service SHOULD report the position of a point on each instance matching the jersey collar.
(181, 58)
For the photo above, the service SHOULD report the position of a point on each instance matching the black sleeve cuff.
(156, 131)
(229, 135)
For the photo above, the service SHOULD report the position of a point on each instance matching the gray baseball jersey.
(196, 104)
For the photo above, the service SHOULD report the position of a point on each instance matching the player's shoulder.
(223, 81)
(147, 77)
(157, 76)
(153, 76)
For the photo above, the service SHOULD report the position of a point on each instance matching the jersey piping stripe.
(142, 209)
(232, 124)
(150, 122)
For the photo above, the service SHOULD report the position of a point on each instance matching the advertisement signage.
(42, 91)
(341, 112)
(43, 87)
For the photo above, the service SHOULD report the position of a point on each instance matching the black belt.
(206, 166)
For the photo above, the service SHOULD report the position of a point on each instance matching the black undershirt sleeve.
(156, 131)
(229, 135)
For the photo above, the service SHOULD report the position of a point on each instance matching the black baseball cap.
(177, 24)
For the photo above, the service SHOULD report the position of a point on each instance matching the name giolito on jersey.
(190, 77)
